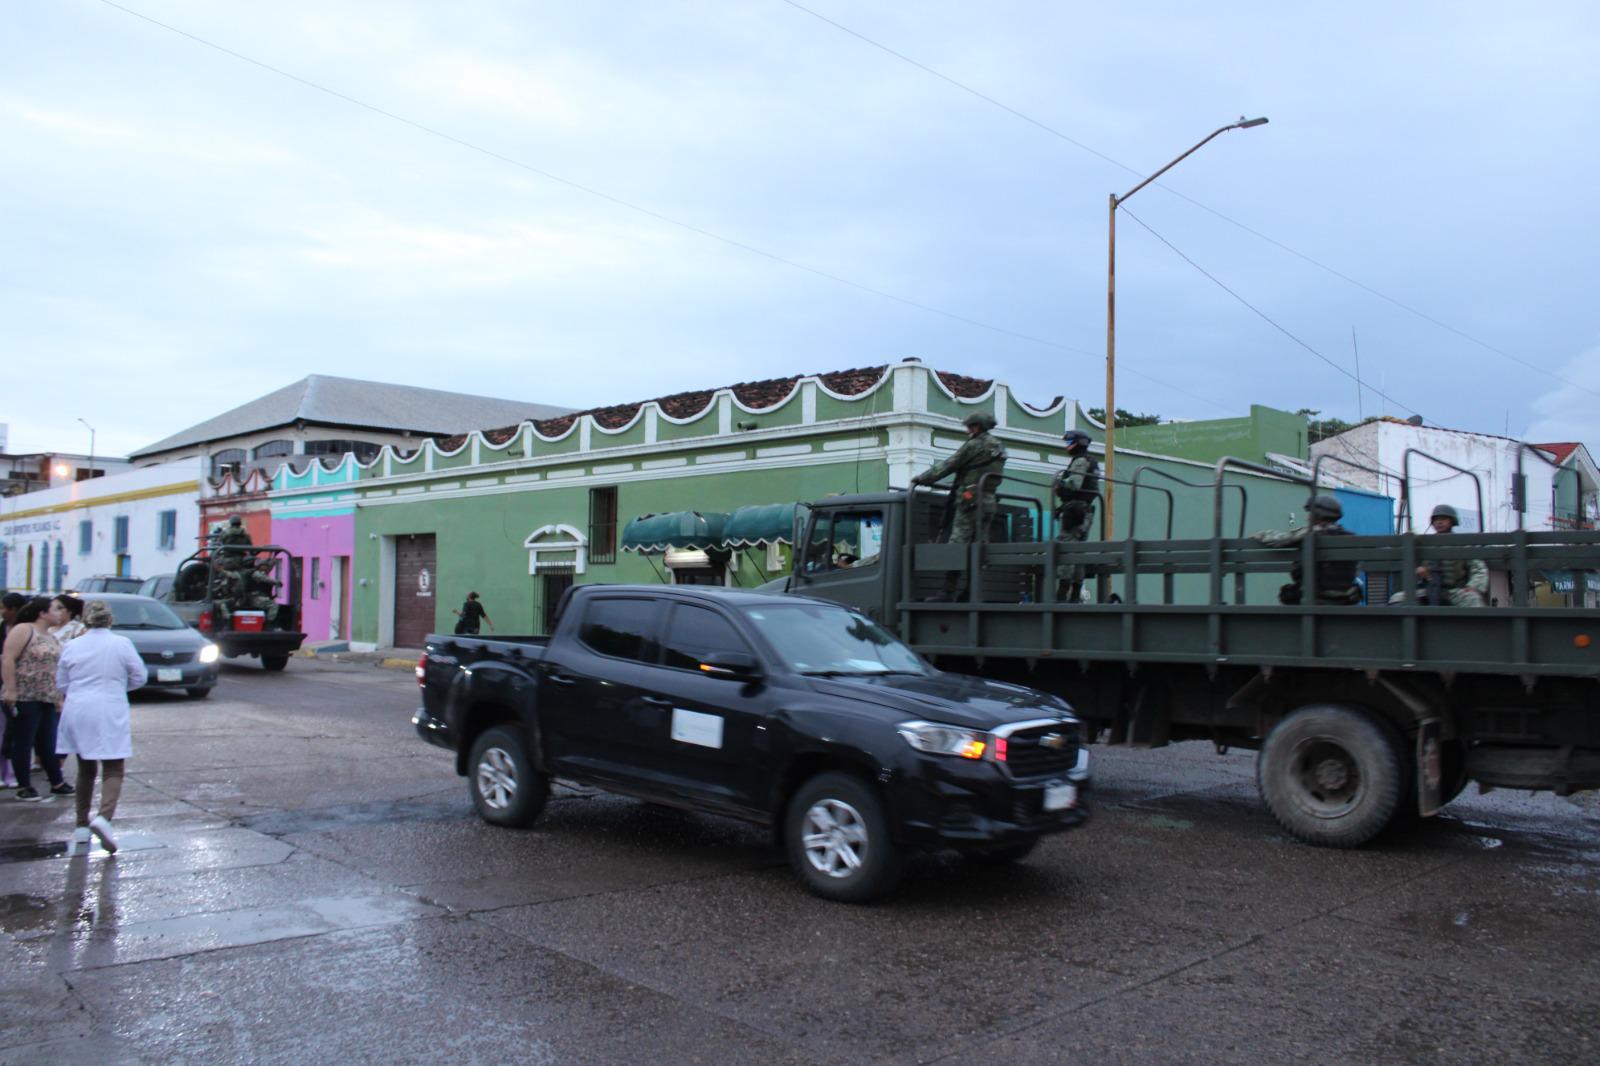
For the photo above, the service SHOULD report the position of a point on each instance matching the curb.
(398, 664)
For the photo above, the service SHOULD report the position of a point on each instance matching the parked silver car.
(176, 655)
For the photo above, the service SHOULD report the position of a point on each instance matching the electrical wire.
(647, 212)
(1174, 192)
(1257, 311)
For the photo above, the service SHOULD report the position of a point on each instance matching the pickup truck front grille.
(1043, 750)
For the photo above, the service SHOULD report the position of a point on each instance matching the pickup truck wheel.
(1333, 776)
(1003, 854)
(506, 789)
(274, 662)
(838, 839)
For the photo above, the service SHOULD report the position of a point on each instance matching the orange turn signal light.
(1581, 640)
(972, 749)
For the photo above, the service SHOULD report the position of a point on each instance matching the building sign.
(424, 582)
(1567, 581)
(43, 525)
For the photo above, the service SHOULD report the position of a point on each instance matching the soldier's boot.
(951, 591)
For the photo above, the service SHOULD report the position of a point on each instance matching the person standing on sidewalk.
(471, 611)
(72, 610)
(27, 682)
(95, 674)
(9, 606)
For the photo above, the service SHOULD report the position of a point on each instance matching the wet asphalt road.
(303, 880)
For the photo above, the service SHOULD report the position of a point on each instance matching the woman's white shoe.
(81, 843)
(102, 829)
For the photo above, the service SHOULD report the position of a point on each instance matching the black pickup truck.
(797, 714)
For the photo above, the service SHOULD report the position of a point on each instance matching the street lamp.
(1111, 314)
(91, 448)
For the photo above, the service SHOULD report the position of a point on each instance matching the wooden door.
(415, 577)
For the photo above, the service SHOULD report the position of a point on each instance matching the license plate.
(1060, 797)
(169, 673)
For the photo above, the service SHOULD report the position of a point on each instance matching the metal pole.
(1111, 369)
(91, 449)
(1111, 309)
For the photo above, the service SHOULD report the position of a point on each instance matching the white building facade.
(1511, 484)
(138, 523)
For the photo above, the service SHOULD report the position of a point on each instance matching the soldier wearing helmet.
(1456, 582)
(1077, 489)
(1336, 580)
(979, 455)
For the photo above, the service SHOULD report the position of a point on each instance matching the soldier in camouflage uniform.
(229, 542)
(980, 454)
(1076, 492)
(260, 588)
(1460, 582)
(1336, 581)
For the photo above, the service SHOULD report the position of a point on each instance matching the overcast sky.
(659, 196)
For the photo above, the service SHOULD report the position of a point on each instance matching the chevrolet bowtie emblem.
(1054, 741)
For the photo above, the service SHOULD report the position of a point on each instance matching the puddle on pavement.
(57, 849)
(20, 913)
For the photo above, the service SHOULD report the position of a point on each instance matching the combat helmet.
(1444, 510)
(1075, 438)
(1324, 506)
(236, 520)
(980, 420)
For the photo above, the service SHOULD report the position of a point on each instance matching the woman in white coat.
(96, 672)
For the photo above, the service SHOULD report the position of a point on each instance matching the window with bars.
(603, 524)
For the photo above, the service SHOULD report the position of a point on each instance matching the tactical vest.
(1332, 576)
(1089, 491)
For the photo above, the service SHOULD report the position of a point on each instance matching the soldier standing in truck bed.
(980, 454)
(1076, 493)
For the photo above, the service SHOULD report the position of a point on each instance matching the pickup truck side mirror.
(732, 665)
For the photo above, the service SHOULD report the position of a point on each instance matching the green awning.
(680, 529)
(762, 523)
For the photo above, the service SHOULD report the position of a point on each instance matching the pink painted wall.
(321, 538)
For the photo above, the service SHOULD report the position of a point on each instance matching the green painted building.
(519, 514)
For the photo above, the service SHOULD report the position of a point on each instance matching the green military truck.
(1360, 714)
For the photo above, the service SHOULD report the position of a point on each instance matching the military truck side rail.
(1360, 713)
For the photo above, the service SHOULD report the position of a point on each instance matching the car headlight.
(209, 653)
(939, 739)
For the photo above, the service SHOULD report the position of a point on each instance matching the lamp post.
(91, 448)
(1111, 313)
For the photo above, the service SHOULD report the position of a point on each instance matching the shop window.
(603, 524)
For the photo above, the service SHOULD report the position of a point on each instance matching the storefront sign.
(43, 525)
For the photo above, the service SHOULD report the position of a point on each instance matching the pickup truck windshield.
(817, 639)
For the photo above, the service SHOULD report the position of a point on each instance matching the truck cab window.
(844, 540)
(696, 632)
(621, 628)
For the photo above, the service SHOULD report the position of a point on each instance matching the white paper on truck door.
(692, 727)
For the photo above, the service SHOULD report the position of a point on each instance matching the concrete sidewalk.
(339, 652)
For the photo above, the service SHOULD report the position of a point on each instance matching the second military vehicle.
(230, 594)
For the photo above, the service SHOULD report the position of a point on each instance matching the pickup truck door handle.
(562, 679)
(655, 701)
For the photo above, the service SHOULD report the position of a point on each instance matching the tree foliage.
(1323, 428)
(1124, 418)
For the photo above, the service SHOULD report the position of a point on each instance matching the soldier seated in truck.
(1336, 581)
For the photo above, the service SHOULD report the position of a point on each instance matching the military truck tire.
(1333, 775)
(274, 662)
(837, 836)
(506, 788)
(1003, 854)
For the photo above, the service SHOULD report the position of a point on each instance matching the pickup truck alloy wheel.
(505, 787)
(1333, 775)
(835, 837)
(837, 834)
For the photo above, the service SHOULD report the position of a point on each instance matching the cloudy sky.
(592, 203)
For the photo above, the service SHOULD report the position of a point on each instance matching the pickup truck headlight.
(208, 654)
(939, 739)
